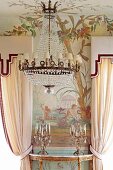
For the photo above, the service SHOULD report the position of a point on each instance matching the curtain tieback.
(26, 152)
(95, 153)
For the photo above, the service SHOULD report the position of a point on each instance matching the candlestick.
(42, 131)
(42, 136)
(49, 127)
(73, 129)
(78, 134)
(80, 128)
(37, 126)
(46, 127)
(70, 131)
(85, 129)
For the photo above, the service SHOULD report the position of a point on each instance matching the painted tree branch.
(77, 75)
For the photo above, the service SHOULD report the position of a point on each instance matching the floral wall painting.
(60, 111)
(28, 16)
(72, 100)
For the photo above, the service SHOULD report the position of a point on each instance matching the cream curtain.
(102, 117)
(17, 103)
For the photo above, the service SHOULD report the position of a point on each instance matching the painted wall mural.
(76, 34)
(71, 101)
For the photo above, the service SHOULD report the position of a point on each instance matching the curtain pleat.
(102, 116)
(17, 113)
(3, 117)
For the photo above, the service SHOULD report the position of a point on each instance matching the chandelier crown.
(49, 8)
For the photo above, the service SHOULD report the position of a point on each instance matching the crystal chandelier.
(49, 66)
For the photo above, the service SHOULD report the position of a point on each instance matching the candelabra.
(78, 134)
(42, 136)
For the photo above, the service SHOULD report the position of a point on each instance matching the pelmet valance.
(10, 47)
(101, 47)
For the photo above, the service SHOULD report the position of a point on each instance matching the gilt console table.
(41, 158)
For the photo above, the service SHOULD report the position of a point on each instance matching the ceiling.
(10, 10)
(18, 7)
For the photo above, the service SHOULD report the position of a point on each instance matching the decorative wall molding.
(98, 60)
(5, 71)
(10, 47)
(101, 47)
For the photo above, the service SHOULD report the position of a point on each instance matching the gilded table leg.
(91, 164)
(79, 164)
(40, 164)
(30, 164)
